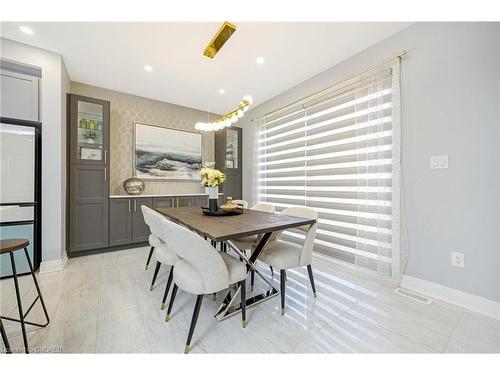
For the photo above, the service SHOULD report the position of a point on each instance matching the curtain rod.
(321, 92)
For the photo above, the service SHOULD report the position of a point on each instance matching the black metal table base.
(22, 315)
(229, 305)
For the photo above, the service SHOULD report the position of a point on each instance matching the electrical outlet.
(439, 162)
(457, 259)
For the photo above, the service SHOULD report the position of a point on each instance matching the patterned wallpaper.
(125, 110)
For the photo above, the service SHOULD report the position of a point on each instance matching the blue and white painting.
(166, 154)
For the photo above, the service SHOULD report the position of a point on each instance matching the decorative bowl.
(134, 186)
(229, 206)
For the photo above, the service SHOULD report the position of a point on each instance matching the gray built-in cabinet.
(88, 171)
(126, 222)
(97, 222)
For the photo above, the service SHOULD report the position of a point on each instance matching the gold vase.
(134, 186)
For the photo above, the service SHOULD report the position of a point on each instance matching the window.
(338, 152)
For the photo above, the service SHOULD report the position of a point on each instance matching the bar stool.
(10, 246)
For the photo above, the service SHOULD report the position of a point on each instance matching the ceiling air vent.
(222, 36)
(413, 295)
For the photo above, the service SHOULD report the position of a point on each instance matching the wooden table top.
(223, 228)
(13, 244)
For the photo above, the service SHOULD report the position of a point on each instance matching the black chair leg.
(243, 295)
(37, 288)
(171, 304)
(149, 256)
(167, 288)
(157, 269)
(252, 279)
(4, 338)
(282, 287)
(196, 313)
(19, 305)
(311, 279)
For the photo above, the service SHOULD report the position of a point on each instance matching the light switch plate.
(439, 162)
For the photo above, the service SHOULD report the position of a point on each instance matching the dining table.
(224, 229)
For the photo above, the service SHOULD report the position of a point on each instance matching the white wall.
(450, 85)
(65, 89)
(54, 83)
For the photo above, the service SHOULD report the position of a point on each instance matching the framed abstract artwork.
(162, 153)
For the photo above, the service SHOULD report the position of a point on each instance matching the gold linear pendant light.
(226, 30)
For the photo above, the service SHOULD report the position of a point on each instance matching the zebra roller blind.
(338, 152)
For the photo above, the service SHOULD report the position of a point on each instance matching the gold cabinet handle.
(135, 206)
(105, 156)
(129, 205)
(105, 174)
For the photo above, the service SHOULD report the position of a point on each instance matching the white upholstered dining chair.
(162, 252)
(285, 255)
(201, 270)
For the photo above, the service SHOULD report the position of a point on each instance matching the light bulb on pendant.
(248, 99)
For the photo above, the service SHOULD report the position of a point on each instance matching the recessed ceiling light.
(222, 91)
(148, 68)
(260, 60)
(26, 30)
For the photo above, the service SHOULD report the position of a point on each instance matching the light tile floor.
(102, 303)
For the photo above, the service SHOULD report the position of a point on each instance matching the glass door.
(232, 149)
(89, 130)
(90, 120)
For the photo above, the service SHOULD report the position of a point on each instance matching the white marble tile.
(144, 350)
(102, 303)
(428, 325)
(73, 326)
(115, 296)
(8, 302)
(120, 331)
(475, 333)
(51, 288)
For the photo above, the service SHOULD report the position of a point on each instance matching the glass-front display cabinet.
(228, 154)
(232, 148)
(88, 174)
(89, 127)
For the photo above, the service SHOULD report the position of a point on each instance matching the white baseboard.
(469, 301)
(53, 265)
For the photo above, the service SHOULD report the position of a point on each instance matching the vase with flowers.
(211, 179)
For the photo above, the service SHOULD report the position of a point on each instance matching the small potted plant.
(211, 179)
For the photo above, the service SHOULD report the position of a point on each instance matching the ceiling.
(113, 55)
